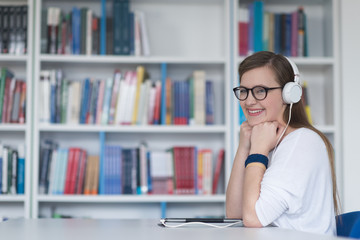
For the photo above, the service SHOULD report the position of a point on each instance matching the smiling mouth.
(255, 112)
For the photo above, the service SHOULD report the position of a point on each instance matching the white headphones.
(292, 91)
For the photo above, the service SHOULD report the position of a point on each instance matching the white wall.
(350, 60)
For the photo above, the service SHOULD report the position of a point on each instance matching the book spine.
(21, 170)
(103, 28)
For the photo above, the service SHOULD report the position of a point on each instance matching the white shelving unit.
(186, 35)
(321, 69)
(185, 44)
(12, 134)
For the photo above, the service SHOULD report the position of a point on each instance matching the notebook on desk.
(212, 222)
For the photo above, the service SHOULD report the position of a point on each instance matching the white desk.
(88, 229)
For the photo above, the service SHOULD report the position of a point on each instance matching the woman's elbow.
(251, 220)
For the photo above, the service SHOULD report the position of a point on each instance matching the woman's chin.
(253, 122)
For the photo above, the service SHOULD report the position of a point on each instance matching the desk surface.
(88, 229)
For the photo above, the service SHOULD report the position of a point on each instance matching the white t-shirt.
(296, 190)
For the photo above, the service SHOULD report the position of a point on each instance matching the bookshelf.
(180, 38)
(16, 134)
(320, 69)
(183, 45)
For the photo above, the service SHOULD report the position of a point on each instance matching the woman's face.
(269, 109)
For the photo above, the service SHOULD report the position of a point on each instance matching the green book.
(5, 73)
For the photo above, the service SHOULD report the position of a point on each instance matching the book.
(20, 175)
(243, 26)
(107, 100)
(200, 97)
(162, 173)
(140, 75)
(114, 97)
(184, 165)
(210, 103)
(4, 182)
(76, 31)
(217, 172)
(258, 25)
(47, 149)
(305, 101)
(207, 156)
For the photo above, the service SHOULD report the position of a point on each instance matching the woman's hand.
(264, 137)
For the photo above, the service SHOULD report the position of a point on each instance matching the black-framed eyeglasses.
(258, 92)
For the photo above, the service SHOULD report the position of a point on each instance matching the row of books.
(260, 30)
(13, 29)
(80, 31)
(12, 98)
(127, 98)
(119, 170)
(12, 169)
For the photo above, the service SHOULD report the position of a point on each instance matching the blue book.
(186, 101)
(163, 94)
(209, 103)
(103, 28)
(287, 51)
(84, 100)
(64, 152)
(127, 165)
(118, 168)
(258, 25)
(117, 38)
(102, 169)
(132, 32)
(148, 168)
(20, 174)
(125, 26)
(76, 30)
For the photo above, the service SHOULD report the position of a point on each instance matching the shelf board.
(12, 198)
(132, 198)
(12, 127)
(305, 61)
(13, 58)
(98, 59)
(132, 128)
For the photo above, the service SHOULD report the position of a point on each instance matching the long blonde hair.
(284, 74)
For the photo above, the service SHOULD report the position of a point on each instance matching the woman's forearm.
(251, 192)
(234, 190)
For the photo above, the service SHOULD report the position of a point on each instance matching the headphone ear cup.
(291, 92)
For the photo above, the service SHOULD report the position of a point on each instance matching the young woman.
(283, 172)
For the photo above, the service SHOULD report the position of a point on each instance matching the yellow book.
(305, 102)
(140, 73)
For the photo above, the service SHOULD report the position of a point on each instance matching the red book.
(74, 170)
(71, 160)
(243, 31)
(81, 172)
(243, 38)
(184, 170)
(157, 103)
(219, 164)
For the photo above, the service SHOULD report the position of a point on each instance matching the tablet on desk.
(213, 222)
